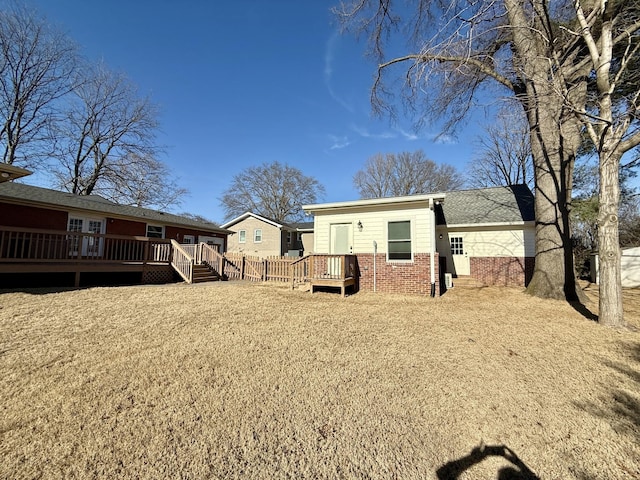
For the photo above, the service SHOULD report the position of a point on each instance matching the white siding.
(515, 241)
(374, 227)
(630, 264)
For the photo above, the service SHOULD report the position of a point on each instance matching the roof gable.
(262, 218)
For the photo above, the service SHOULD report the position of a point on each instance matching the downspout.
(375, 253)
(432, 253)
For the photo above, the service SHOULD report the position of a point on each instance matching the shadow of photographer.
(517, 471)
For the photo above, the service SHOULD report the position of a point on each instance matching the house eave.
(10, 172)
(102, 213)
(374, 202)
(254, 215)
(485, 225)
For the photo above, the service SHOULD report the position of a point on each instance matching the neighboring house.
(304, 235)
(31, 217)
(261, 236)
(629, 267)
(408, 244)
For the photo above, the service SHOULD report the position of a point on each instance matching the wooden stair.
(204, 273)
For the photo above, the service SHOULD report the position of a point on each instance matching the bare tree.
(406, 173)
(36, 64)
(610, 30)
(541, 53)
(143, 182)
(107, 144)
(504, 153)
(274, 190)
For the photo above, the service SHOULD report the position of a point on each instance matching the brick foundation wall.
(397, 277)
(503, 271)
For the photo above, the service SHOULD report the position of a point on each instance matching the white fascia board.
(246, 215)
(372, 202)
(494, 224)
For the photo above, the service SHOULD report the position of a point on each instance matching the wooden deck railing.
(28, 245)
(238, 266)
(334, 267)
(37, 245)
(210, 255)
(340, 271)
(182, 262)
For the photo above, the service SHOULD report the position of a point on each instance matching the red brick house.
(45, 231)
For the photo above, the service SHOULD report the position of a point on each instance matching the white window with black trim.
(399, 240)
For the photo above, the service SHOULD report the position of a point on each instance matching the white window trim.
(255, 235)
(156, 226)
(459, 245)
(240, 235)
(411, 239)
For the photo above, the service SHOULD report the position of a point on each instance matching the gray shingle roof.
(303, 225)
(94, 203)
(487, 205)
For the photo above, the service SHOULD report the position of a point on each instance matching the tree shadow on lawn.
(519, 471)
(584, 310)
(622, 407)
(40, 290)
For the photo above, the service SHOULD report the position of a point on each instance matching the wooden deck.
(32, 251)
(334, 271)
(25, 250)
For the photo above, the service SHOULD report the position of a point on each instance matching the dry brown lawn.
(233, 380)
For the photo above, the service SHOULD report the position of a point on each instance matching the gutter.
(432, 252)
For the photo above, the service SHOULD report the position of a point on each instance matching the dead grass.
(232, 380)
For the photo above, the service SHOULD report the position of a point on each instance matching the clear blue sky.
(245, 82)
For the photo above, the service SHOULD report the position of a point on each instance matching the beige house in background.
(261, 236)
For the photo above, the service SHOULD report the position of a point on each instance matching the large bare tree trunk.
(555, 138)
(610, 302)
(554, 141)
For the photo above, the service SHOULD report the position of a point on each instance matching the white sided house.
(415, 244)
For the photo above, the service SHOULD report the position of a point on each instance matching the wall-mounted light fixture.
(440, 237)
(359, 225)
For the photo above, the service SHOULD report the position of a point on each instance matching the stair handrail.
(292, 267)
(182, 262)
(212, 257)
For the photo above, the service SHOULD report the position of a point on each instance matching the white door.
(339, 244)
(216, 242)
(86, 245)
(340, 241)
(459, 256)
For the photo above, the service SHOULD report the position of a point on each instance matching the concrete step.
(465, 281)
